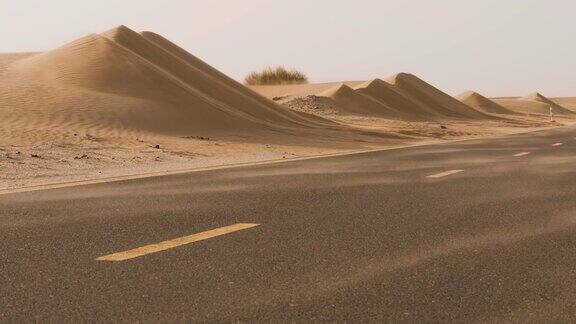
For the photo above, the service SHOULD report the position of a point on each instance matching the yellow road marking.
(443, 174)
(165, 245)
(522, 154)
(557, 144)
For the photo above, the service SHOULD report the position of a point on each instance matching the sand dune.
(534, 103)
(566, 102)
(481, 103)
(523, 106)
(93, 83)
(438, 101)
(122, 82)
(401, 96)
(291, 91)
(209, 71)
(556, 108)
(357, 101)
(402, 104)
(197, 77)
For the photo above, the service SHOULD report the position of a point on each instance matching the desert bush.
(278, 75)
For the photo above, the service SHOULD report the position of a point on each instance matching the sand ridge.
(401, 96)
(481, 103)
(138, 95)
(201, 80)
(534, 104)
(556, 108)
(421, 91)
(566, 102)
(353, 101)
(399, 101)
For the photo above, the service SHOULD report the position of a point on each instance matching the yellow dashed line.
(165, 245)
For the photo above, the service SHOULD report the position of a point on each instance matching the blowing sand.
(123, 102)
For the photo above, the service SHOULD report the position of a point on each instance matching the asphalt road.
(363, 237)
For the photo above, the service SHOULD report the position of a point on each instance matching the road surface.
(480, 230)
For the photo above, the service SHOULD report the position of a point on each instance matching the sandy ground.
(568, 102)
(126, 103)
(91, 157)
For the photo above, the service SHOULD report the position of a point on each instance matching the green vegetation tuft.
(278, 75)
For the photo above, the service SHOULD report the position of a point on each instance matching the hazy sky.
(498, 47)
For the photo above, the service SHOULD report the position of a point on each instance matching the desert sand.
(407, 105)
(479, 102)
(566, 102)
(535, 104)
(125, 103)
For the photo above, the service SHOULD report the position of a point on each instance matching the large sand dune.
(121, 82)
(481, 103)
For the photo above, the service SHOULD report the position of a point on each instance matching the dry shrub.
(278, 75)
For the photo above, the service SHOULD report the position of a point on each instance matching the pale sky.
(497, 47)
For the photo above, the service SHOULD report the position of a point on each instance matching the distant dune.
(291, 91)
(534, 103)
(402, 96)
(481, 103)
(524, 106)
(566, 102)
(556, 108)
(348, 100)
